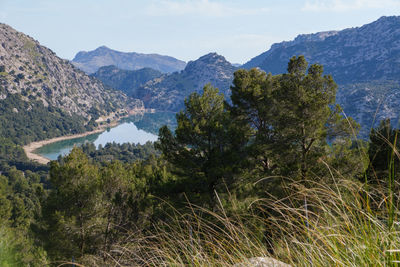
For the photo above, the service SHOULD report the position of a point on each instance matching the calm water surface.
(126, 132)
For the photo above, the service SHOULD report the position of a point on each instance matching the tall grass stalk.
(340, 231)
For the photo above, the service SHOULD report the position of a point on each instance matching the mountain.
(364, 61)
(91, 61)
(169, 91)
(128, 81)
(314, 37)
(36, 85)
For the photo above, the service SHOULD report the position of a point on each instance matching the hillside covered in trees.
(278, 171)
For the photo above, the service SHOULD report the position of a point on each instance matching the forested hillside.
(222, 175)
(128, 81)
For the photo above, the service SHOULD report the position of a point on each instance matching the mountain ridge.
(169, 91)
(127, 81)
(352, 54)
(91, 61)
(364, 61)
(36, 73)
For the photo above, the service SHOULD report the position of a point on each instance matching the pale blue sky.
(185, 29)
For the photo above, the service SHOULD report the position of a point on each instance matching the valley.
(34, 150)
(127, 158)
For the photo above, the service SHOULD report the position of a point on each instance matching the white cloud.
(199, 7)
(348, 5)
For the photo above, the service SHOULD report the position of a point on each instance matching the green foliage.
(207, 146)
(73, 207)
(128, 81)
(23, 122)
(18, 250)
(293, 116)
(383, 149)
(127, 152)
(20, 195)
(9, 151)
(200, 202)
(91, 206)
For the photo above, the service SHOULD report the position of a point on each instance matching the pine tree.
(207, 148)
(293, 115)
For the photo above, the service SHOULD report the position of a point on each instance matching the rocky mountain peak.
(390, 20)
(169, 91)
(211, 61)
(314, 37)
(102, 48)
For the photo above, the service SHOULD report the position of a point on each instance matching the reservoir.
(136, 129)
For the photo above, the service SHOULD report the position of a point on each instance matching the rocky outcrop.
(370, 52)
(91, 61)
(36, 73)
(169, 91)
(364, 61)
(314, 37)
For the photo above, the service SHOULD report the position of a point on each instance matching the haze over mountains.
(364, 61)
(91, 61)
(128, 81)
(168, 92)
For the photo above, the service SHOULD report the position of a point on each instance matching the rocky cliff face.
(364, 61)
(314, 37)
(91, 61)
(169, 91)
(36, 73)
(370, 52)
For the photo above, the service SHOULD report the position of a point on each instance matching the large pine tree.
(293, 115)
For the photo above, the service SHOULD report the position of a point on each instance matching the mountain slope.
(127, 81)
(370, 52)
(315, 37)
(364, 61)
(169, 91)
(91, 61)
(49, 91)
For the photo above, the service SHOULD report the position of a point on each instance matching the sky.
(185, 29)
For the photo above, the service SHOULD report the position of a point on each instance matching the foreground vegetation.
(278, 172)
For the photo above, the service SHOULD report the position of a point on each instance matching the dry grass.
(339, 228)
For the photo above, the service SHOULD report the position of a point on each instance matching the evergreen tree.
(73, 212)
(382, 151)
(293, 116)
(207, 148)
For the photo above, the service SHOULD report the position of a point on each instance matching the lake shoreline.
(33, 146)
